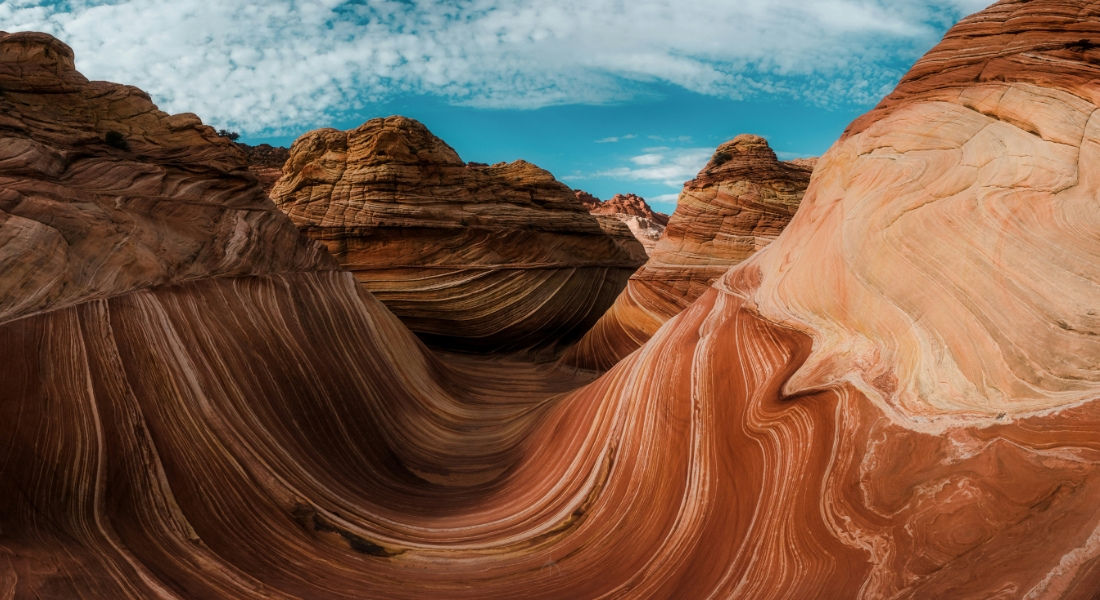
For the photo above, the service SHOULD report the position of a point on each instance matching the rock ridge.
(470, 256)
(102, 194)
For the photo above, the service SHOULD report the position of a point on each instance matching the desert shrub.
(232, 135)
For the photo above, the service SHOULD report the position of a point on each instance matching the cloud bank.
(668, 166)
(280, 66)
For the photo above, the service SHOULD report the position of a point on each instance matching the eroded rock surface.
(738, 204)
(266, 163)
(101, 193)
(479, 257)
(897, 398)
(900, 396)
(644, 223)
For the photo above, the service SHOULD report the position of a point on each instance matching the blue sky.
(609, 95)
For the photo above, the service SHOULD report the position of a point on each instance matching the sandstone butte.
(469, 256)
(645, 224)
(737, 204)
(265, 162)
(898, 398)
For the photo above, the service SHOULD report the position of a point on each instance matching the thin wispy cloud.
(665, 202)
(668, 166)
(782, 155)
(616, 138)
(282, 66)
(682, 139)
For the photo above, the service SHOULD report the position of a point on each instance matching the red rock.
(151, 295)
(1051, 45)
(473, 257)
(900, 396)
(897, 398)
(738, 204)
(644, 224)
(266, 163)
(589, 201)
(629, 205)
(808, 163)
(101, 193)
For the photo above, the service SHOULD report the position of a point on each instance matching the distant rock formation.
(644, 223)
(808, 163)
(469, 256)
(265, 162)
(621, 204)
(738, 204)
(589, 201)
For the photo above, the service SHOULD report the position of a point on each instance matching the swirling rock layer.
(482, 257)
(971, 292)
(898, 398)
(738, 204)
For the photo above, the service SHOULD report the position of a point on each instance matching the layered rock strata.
(906, 383)
(898, 398)
(469, 256)
(154, 303)
(737, 204)
(101, 193)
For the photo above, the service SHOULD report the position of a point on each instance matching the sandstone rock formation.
(468, 256)
(644, 224)
(898, 398)
(738, 204)
(100, 193)
(808, 163)
(266, 163)
(589, 201)
(151, 298)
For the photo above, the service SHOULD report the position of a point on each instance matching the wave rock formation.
(469, 256)
(898, 398)
(738, 204)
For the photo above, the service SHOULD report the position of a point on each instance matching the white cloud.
(967, 7)
(279, 66)
(616, 138)
(664, 200)
(671, 167)
(648, 160)
(682, 139)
